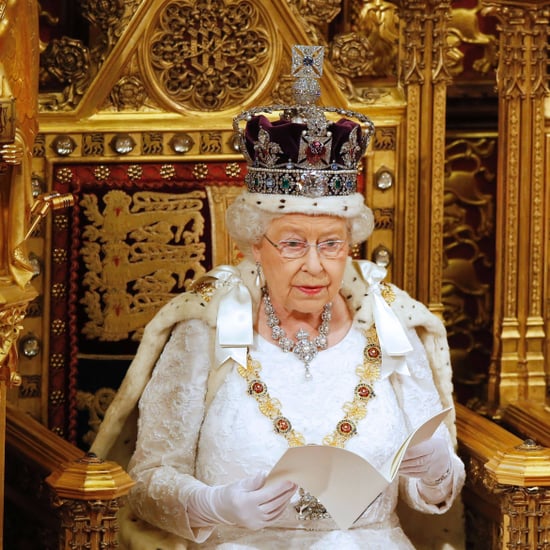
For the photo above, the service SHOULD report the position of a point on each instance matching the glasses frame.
(307, 247)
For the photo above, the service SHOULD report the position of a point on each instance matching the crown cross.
(307, 61)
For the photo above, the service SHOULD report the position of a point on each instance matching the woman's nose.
(312, 260)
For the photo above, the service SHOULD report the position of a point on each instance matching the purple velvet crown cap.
(286, 141)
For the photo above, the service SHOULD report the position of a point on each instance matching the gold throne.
(137, 130)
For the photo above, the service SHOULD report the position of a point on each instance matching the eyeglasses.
(292, 249)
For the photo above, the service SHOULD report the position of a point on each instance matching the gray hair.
(247, 224)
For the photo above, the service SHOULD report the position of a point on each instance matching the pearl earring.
(259, 275)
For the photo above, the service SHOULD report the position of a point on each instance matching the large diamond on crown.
(313, 183)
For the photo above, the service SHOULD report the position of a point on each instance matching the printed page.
(344, 482)
(420, 434)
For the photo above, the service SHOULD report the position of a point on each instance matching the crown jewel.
(305, 152)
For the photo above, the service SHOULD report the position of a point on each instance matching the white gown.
(180, 442)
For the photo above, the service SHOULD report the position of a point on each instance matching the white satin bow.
(234, 332)
(234, 323)
(393, 340)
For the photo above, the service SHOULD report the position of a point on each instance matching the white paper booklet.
(344, 482)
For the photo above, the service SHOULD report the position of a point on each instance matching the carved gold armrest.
(89, 492)
(507, 492)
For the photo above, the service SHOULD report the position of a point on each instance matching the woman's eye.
(293, 244)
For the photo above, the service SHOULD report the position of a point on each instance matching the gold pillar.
(521, 288)
(425, 78)
(18, 127)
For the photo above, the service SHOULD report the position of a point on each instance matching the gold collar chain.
(354, 411)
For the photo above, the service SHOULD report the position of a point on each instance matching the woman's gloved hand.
(430, 461)
(245, 503)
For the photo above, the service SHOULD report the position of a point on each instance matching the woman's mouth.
(311, 290)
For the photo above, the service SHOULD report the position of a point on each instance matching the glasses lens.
(330, 249)
(293, 249)
(298, 249)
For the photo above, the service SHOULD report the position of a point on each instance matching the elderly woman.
(297, 345)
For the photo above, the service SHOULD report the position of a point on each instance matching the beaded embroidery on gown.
(180, 444)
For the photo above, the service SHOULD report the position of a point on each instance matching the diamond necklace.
(305, 349)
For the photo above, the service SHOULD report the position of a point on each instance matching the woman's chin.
(310, 302)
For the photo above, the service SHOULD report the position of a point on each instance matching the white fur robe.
(117, 434)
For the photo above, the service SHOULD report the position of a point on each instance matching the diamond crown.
(303, 152)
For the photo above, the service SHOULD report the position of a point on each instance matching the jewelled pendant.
(305, 349)
(309, 507)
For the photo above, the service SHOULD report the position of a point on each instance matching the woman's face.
(302, 285)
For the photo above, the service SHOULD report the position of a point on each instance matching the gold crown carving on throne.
(303, 153)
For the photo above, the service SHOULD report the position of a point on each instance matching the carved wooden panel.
(469, 255)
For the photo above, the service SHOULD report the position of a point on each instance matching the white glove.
(245, 503)
(430, 461)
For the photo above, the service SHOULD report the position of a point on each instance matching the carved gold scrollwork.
(88, 493)
(371, 49)
(481, 520)
(84, 519)
(440, 68)
(224, 250)
(524, 31)
(379, 20)
(11, 317)
(352, 55)
(413, 18)
(518, 476)
(72, 62)
(318, 12)
(469, 222)
(420, 18)
(109, 18)
(95, 404)
(208, 56)
(464, 28)
(128, 93)
(527, 510)
(283, 90)
(68, 61)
